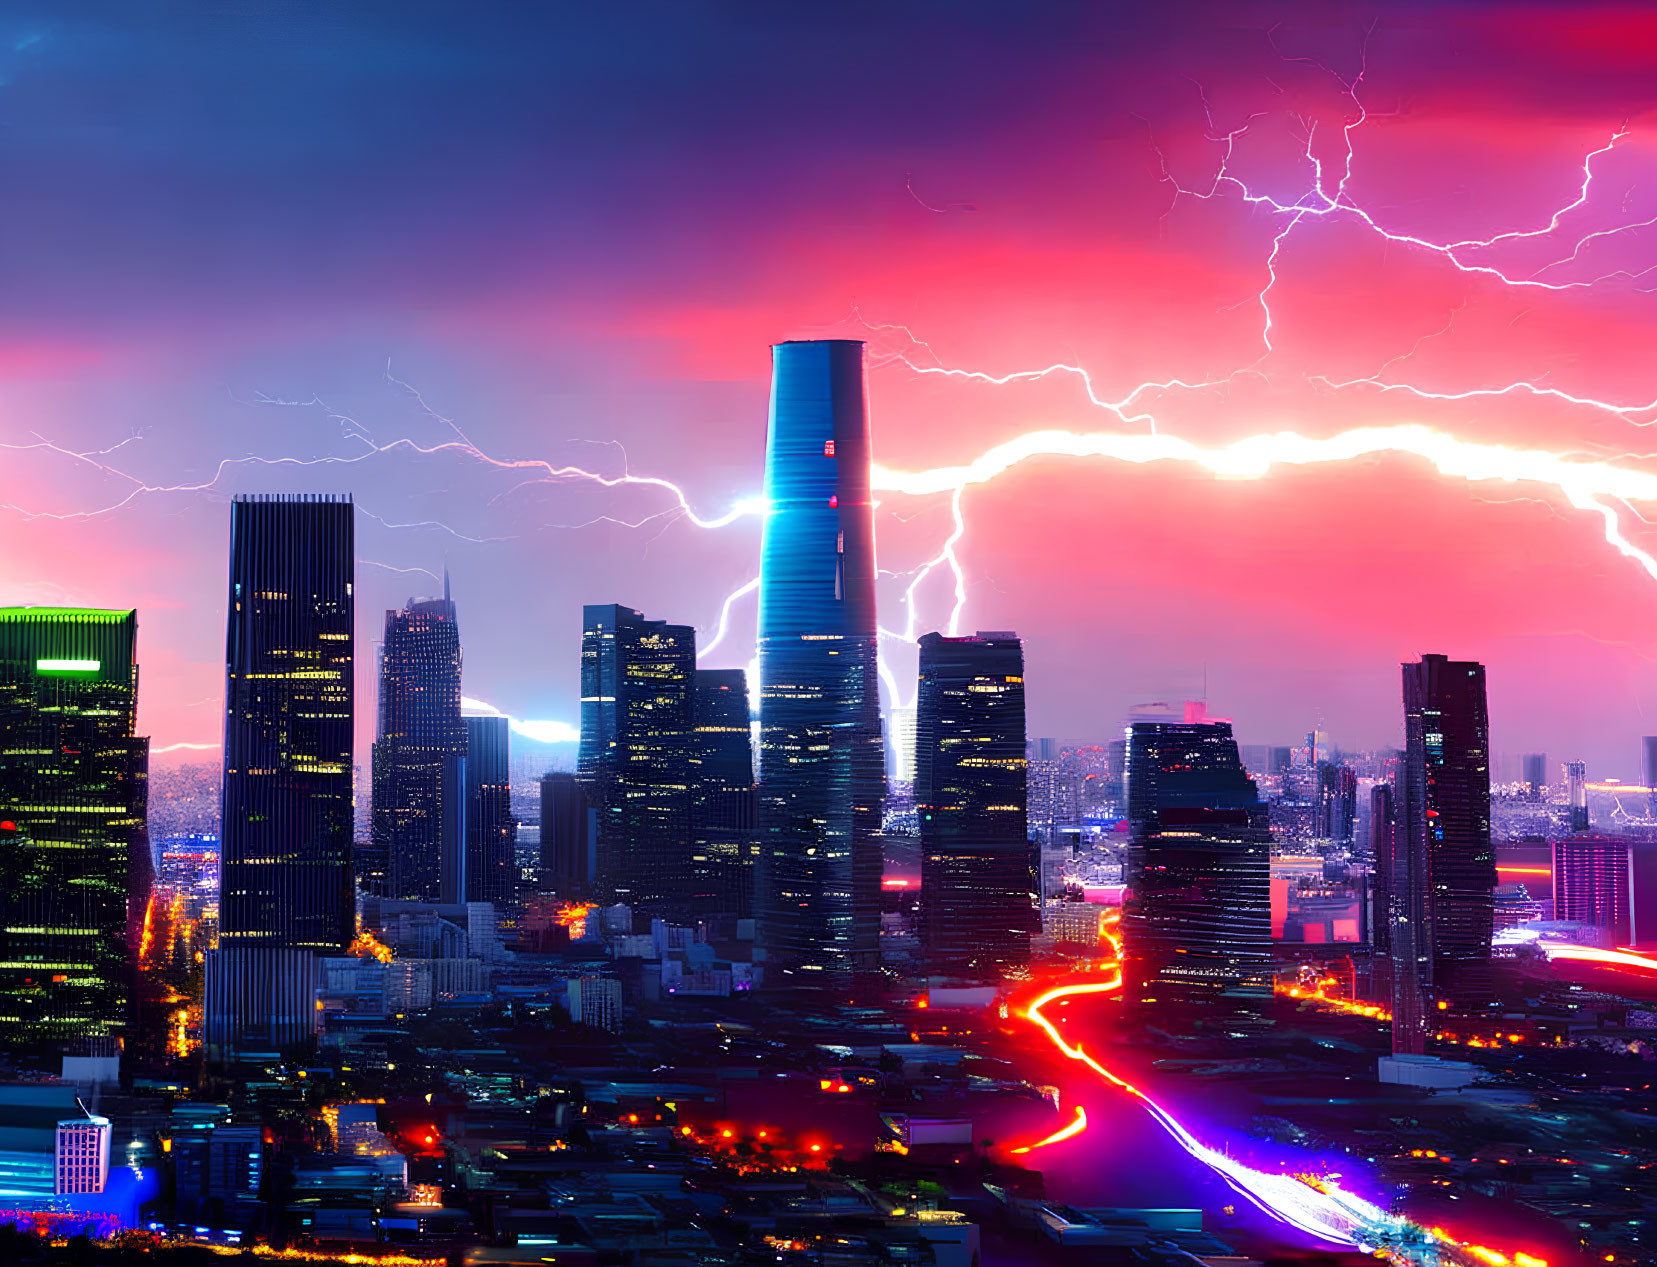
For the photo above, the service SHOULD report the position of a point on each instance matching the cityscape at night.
(828, 635)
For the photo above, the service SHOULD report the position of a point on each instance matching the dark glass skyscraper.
(74, 856)
(1535, 769)
(569, 834)
(722, 794)
(1444, 818)
(637, 711)
(285, 888)
(1196, 926)
(821, 764)
(419, 738)
(1337, 802)
(491, 830)
(1400, 954)
(971, 797)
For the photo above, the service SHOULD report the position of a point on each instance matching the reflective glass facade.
(1196, 927)
(637, 709)
(74, 856)
(491, 830)
(821, 763)
(285, 873)
(420, 729)
(722, 794)
(971, 796)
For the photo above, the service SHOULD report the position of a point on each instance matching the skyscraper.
(1444, 811)
(420, 738)
(971, 796)
(637, 711)
(1043, 781)
(1576, 794)
(722, 794)
(821, 763)
(1337, 802)
(1593, 883)
(1535, 770)
(491, 830)
(1400, 954)
(569, 834)
(74, 856)
(285, 874)
(1196, 924)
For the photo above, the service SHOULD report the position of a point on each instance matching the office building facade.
(74, 853)
(285, 875)
(420, 737)
(1534, 771)
(722, 794)
(978, 881)
(1196, 923)
(637, 714)
(821, 758)
(569, 836)
(1337, 806)
(1444, 816)
(491, 831)
(1593, 883)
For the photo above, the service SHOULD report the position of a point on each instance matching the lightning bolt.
(1324, 196)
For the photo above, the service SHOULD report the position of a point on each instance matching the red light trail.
(1309, 1203)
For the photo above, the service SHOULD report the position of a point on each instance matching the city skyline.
(1004, 246)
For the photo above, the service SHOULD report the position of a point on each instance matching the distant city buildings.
(1337, 805)
(978, 866)
(821, 759)
(285, 870)
(74, 854)
(1196, 926)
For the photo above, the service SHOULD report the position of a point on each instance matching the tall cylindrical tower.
(821, 763)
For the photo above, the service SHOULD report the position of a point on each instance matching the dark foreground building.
(1196, 928)
(419, 741)
(569, 835)
(285, 885)
(74, 856)
(821, 763)
(1447, 871)
(977, 874)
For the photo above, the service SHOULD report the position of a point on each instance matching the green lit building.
(74, 854)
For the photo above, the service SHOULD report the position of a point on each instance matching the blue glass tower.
(821, 763)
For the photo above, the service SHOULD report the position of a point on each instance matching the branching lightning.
(1608, 489)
